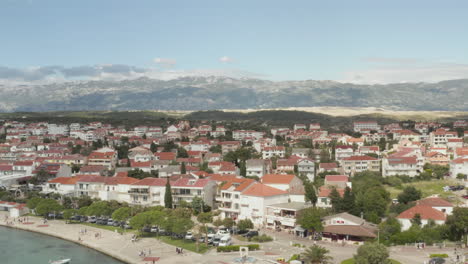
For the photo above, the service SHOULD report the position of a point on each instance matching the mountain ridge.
(216, 92)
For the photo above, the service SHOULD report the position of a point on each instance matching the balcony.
(139, 191)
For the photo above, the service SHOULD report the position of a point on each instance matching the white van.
(225, 241)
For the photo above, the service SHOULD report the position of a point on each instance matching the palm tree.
(317, 255)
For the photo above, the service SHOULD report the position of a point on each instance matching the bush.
(262, 238)
(438, 256)
(236, 248)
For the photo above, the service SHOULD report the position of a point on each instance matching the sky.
(351, 41)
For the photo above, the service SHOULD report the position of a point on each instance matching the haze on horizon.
(360, 41)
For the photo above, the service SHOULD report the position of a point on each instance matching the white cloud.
(165, 62)
(401, 70)
(225, 59)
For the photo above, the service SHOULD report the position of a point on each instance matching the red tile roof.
(262, 190)
(336, 178)
(434, 202)
(324, 191)
(426, 212)
(360, 158)
(151, 182)
(64, 180)
(328, 166)
(277, 178)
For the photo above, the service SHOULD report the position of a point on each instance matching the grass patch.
(426, 187)
(351, 261)
(185, 244)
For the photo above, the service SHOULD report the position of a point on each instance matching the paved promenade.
(121, 246)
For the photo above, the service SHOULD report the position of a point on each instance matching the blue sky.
(358, 41)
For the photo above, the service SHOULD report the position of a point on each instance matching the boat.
(60, 261)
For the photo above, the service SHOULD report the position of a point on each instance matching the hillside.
(210, 93)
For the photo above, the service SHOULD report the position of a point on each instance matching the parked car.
(126, 225)
(118, 223)
(210, 238)
(216, 241)
(222, 232)
(83, 219)
(250, 234)
(146, 229)
(110, 222)
(189, 236)
(162, 232)
(92, 219)
(154, 229)
(225, 241)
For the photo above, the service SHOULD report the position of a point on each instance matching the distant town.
(407, 175)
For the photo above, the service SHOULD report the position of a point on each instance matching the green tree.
(168, 195)
(409, 194)
(458, 223)
(183, 169)
(347, 203)
(153, 147)
(311, 219)
(243, 169)
(180, 225)
(47, 206)
(390, 227)
(68, 213)
(122, 214)
(372, 253)
(99, 208)
(141, 220)
(310, 193)
(336, 200)
(245, 224)
(416, 220)
(33, 202)
(317, 255)
(228, 222)
(197, 205)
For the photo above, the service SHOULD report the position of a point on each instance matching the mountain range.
(208, 93)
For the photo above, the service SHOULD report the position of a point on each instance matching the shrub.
(438, 256)
(236, 248)
(262, 238)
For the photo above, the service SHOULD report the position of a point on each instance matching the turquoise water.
(23, 247)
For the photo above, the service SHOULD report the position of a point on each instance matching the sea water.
(24, 247)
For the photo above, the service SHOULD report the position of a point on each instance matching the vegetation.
(316, 255)
(372, 253)
(237, 247)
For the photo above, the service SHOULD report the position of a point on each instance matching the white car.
(189, 236)
(225, 241)
(222, 233)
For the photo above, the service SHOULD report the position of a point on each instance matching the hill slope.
(208, 93)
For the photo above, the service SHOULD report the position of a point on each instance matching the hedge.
(237, 247)
(438, 256)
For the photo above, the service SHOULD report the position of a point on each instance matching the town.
(397, 184)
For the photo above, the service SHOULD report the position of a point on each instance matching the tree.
(243, 169)
(347, 203)
(168, 195)
(197, 205)
(153, 147)
(372, 253)
(245, 224)
(316, 255)
(180, 225)
(141, 220)
(336, 200)
(46, 206)
(416, 220)
(122, 214)
(310, 219)
(42, 175)
(390, 227)
(228, 222)
(182, 153)
(310, 193)
(100, 208)
(183, 169)
(33, 202)
(409, 194)
(68, 213)
(458, 223)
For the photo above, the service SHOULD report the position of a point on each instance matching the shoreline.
(22, 228)
(115, 245)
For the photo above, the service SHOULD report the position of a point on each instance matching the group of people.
(144, 253)
(179, 250)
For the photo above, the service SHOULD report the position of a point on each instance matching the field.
(426, 187)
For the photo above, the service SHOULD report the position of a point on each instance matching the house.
(255, 199)
(347, 228)
(247, 135)
(323, 196)
(286, 182)
(364, 150)
(306, 167)
(327, 167)
(229, 196)
(140, 154)
(169, 171)
(165, 156)
(300, 152)
(440, 137)
(257, 167)
(401, 165)
(146, 192)
(337, 181)
(314, 126)
(284, 215)
(93, 170)
(437, 158)
(61, 185)
(276, 151)
(105, 157)
(355, 164)
(186, 189)
(425, 212)
(299, 127)
(286, 165)
(459, 166)
(227, 146)
(361, 126)
(342, 152)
